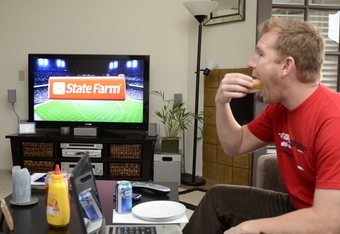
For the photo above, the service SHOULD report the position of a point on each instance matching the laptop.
(82, 179)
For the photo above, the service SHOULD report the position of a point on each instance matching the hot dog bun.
(257, 86)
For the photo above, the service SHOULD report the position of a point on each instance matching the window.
(322, 13)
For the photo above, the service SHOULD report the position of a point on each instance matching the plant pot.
(170, 145)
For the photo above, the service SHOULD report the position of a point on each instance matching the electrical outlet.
(21, 75)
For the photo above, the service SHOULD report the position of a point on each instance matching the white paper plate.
(159, 210)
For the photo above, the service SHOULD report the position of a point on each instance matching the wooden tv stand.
(129, 156)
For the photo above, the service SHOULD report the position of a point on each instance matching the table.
(32, 219)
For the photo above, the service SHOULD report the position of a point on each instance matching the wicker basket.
(37, 149)
(39, 166)
(126, 151)
(125, 169)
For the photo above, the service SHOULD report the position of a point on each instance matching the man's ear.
(288, 64)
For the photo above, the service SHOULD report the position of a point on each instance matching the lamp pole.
(187, 179)
(195, 180)
(200, 9)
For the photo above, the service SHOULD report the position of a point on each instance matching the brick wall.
(217, 165)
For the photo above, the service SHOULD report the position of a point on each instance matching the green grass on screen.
(91, 111)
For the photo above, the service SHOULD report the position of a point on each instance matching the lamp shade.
(200, 7)
(210, 65)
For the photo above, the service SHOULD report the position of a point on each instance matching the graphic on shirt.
(289, 144)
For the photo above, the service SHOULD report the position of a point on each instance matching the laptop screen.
(86, 197)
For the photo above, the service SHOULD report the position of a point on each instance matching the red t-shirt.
(307, 141)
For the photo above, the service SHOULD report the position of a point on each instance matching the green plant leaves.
(175, 116)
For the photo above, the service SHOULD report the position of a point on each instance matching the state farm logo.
(59, 88)
(87, 88)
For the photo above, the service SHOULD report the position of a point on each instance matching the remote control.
(157, 188)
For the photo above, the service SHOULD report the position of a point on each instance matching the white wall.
(163, 29)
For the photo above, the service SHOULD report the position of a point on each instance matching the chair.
(268, 173)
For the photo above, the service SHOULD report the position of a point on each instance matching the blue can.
(90, 203)
(123, 197)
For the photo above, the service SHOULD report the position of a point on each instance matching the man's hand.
(239, 229)
(233, 85)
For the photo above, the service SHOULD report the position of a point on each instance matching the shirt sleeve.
(262, 126)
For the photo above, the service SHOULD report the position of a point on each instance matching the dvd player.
(80, 153)
(81, 146)
(96, 167)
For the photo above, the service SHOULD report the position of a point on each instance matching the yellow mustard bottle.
(58, 203)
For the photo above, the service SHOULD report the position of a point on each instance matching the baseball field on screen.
(128, 111)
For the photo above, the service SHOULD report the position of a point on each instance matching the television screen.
(108, 91)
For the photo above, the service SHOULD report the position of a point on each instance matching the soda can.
(90, 203)
(123, 197)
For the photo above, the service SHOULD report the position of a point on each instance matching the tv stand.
(102, 133)
(123, 156)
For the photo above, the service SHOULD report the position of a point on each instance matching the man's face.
(266, 68)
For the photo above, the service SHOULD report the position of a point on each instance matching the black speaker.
(178, 97)
(153, 129)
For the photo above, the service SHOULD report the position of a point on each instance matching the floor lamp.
(200, 9)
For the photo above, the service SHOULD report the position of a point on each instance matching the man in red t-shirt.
(302, 119)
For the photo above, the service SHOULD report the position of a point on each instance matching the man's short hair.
(300, 40)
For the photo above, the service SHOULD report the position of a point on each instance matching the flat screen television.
(106, 91)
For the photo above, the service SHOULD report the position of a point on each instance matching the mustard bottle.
(58, 203)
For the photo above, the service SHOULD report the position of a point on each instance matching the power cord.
(15, 112)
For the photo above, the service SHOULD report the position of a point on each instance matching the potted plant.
(175, 116)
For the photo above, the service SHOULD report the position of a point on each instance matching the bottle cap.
(57, 170)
